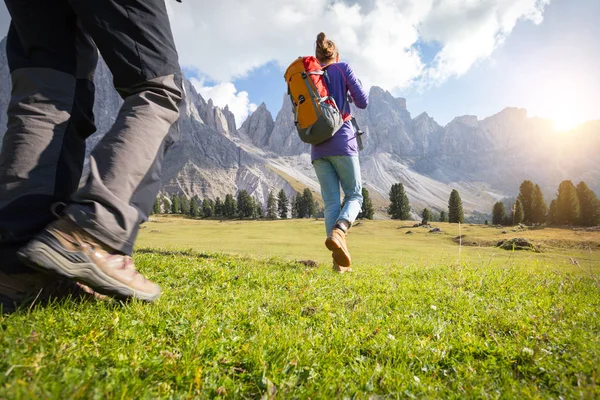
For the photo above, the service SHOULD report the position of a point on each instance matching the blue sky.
(447, 57)
(560, 56)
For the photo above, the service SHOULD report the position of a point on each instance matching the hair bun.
(322, 40)
(326, 49)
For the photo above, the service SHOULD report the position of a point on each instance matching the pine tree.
(320, 211)
(308, 204)
(218, 207)
(299, 206)
(193, 208)
(443, 216)
(200, 203)
(259, 213)
(399, 206)
(455, 208)
(539, 208)
(294, 207)
(175, 207)
(526, 196)
(498, 214)
(552, 213)
(282, 205)
(245, 205)
(156, 208)
(508, 221)
(207, 209)
(567, 204)
(271, 206)
(184, 203)
(519, 212)
(588, 205)
(426, 216)
(229, 207)
(166, 205)
(367, 211)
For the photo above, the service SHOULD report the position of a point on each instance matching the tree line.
(399, 207)
(244, 206)
(573, 205)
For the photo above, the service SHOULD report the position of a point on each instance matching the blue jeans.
(332, 172)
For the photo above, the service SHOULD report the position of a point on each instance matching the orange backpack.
(318, 117)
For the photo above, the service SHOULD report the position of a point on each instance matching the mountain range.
(485, 160)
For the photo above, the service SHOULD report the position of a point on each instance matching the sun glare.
(565, 123)
(561, 96)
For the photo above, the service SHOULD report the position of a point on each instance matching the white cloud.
(226, 39)
(470, 31)
(226, 94)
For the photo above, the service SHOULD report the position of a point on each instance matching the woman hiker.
(336, 160)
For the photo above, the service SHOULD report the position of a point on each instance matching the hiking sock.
(343, 225)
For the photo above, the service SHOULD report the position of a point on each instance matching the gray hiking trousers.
(52, 51)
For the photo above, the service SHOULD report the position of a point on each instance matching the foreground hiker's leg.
(93, 243)
(50, 114)
(125, 167)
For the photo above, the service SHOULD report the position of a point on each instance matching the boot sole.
(339, 254)
(44, 258)
(342, 270)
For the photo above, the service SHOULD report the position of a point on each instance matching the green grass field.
(240, 317)
(381, 243)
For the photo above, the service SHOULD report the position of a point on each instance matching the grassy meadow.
(240, 316)
(381, 243)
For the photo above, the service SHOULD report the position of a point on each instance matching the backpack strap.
(315, 97)
(326, 76)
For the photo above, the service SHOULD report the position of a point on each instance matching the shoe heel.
(332, 245)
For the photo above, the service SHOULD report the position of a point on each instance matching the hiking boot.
(66, 250)
(18, 288)
(338, 268)
(336, 243)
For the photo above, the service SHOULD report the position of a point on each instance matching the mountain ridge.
(485, 160)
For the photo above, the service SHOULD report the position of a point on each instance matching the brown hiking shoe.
(68, 251)
(18, 288)
(338, 268)
(336, 243)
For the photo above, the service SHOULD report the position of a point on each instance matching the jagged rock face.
(284, 139)
(221, 120)
(387, 124)
(258, 127)
(427, 135)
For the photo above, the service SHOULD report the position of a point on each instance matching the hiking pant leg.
(348, 169)
(50, 114)
(330, 191)
(134, 37)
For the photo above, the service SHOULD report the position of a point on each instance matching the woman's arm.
(358, 94)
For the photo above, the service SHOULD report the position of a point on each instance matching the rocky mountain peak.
(222, 120)
(469, 120)
(258, 126)
(422, 117)
(284, 139)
